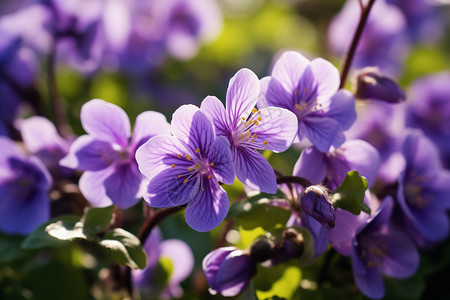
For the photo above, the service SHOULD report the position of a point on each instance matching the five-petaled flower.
(249, 130)
(186, 167)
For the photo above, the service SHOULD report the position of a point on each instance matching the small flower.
(106, 153)
(24, 186)
(249, 130)
(309, 89)
(372, 85)
(228, 271)
(186, 168)
(316, 202)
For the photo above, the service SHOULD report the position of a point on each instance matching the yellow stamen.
(255, 122)
(209, 176)
(297, 106)
(211, 164)
(178, 155)
(265, 143)
(255, 150)
(189, 169)
(184, 181)
(259, 119)
(188, 157)
(254, 136)
(252, 141)
(197, 150)
(173, 165)
(178, 176)
(203, 189)
(243, 119)
(254, 110)
(259, 112)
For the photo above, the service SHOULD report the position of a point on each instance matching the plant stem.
(294, 179)
(352, 49)
(155, 219)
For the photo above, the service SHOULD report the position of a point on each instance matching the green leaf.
(125, 248)
(257, 211)
(10, 248)
(97, 219)
(284, 287)
(55, 233)
(350, 194)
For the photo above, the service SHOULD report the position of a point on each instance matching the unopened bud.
(316, 203)
(372, 85)
(262, 250)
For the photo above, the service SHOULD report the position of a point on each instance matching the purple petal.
(273, 93)
(369, 281)
(154, 155)
(235, 273)
(276, 130)
(253, 170)
(192, 126)
(327, 75)
(208, 209)
(166, 189)
(344, 230)
(8, 149)
(402, 258)
(89, 154)
(152, 247)
(420, 153)
(123, 186)
(242, 94)
(39, 133)
(181, 257)
(215, 111)
(311, 165)
(106, 121)
(320, 234)
(342, 108)
(93, 189)
(211, 264)
(149, 124)
(223, 168)
(321, 131)
(289, 69)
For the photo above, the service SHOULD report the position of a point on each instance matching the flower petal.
(342, 108)
(223, 168)
(273, 93)
(344, 230)
(9, 149)
(242, 94)
(253, 170)
(320, 131)
(39, 133)
(90, 154)
(289, 69)
(191, 126)
(208, 209)
(369, 281)
(311, 165)
(181, 257)
(276, 130)
(123, 186)
(106, 121)
(215, 111)
(149, 124)
(93, 189)
(327, 75)
(211, 264)
(235, 273)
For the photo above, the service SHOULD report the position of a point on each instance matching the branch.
(294, 179)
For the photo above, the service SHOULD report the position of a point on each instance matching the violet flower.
(179, 254)
(106, 153)
(228, 271)
(249, 130)
(429, 110)
(316, 202)
(309, 89)
(423, 191)
(186, 167)
(24, 186)
(377, 249)
(372, 85)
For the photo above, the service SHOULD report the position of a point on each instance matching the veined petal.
(208, 209)
(157, 154)
(149, 124)
(276, 129)
(342, 108)
(211, 264)
(242, 94)
(106, 121)
(39, 133)
(192, 127)
(235, 273)
(166, 189)
(327, 75)
(369, 281)
(221, 157)
(253, 170)
(344, 230)
(93, 188)
(311, 165)
(273, 93)
(215, 111)
(321, 131)
(123, 186)
(90, 154)
(289, 69)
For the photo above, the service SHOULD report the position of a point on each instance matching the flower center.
(305, 103)
(244, 134)
(196, 166)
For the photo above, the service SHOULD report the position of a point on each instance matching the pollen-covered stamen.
(243, 135)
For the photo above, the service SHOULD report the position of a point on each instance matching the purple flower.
(249, 130)
(42, 140)
(185, 168)
(377, 249)
(228, 271)
(316, 203)
(429, 110)
(106, 153)
(372, 85)
(310, 90)
(24, 184)
(179, 254)
(384, 42)
(423, 191)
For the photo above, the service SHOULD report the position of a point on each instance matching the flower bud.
(316, 203)
(228, 270)
(373, 85)
(262, 250)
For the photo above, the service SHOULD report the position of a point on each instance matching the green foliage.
(10, 249)
(350, 194)
(97, 219)
(285, 286)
